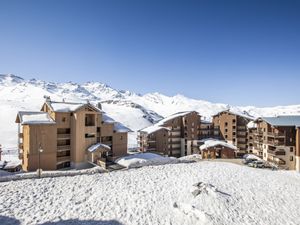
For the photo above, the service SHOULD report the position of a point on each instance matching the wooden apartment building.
(70, 135)
(175, 135)
(277, 139)
(232, 127)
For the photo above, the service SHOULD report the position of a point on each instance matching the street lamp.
(40, 150)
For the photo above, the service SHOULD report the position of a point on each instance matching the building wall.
(119, 144)
(34, 137)
(298, 150)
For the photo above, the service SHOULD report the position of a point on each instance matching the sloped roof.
(160, 124)
(236, 112)
(282, 120)
(69, 106)
(97, 146)
(210, 142)
(118, 127)
(31, 117)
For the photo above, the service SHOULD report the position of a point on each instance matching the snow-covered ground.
(193, 193)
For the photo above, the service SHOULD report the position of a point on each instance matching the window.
(291, 149)
(233, 133)
(121, 137)
(91, 135)
(90, 120)
(226, 124)
(291, 158)
(226, 130)
(226, 136)
(233, 121)
(63, 119)
(233, 139)
(233, 127)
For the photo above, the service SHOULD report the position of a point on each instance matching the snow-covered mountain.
(133, 110)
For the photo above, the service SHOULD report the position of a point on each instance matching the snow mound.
(190, 158)
(251, 156)
(145, 159)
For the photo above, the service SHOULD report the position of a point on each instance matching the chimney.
(99, 105)
(47, 98)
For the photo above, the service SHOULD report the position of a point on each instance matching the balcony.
(63, 159)
(241, 128)
(20, 135)
(63, 148)
(63, 136)
(21, 146)
(240, 133)
(276, 135)
(276, 143)
(274, 153)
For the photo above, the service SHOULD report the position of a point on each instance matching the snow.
(119, 127)
(251, 156)
(144, 159)
(178, 194)
(98, 145)
(251, 125)
(35, 118)
(135, 111)
(65, 107)
(154, 128)
(210, 142)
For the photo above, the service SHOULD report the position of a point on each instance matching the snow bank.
(251, 156)
(6, 176)
(210, 142)
(145, 159)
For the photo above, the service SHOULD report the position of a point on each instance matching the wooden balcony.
(276, 143)
(63, 159)
(63, 136)
(275, 153)
(276, 135)
(20, 135)
(21, 146)
(63, 147)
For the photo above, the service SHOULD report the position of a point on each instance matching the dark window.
(63, 119)
(233, 133)
(291, 149)
(226, 124)
(90, 135)
(233, 121)
(226, 136)
(291, 158)
(226, 130)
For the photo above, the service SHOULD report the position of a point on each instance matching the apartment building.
(232, 127)
(251, 128)
(176, 135)
(206, 129)
(277, 140)
(67, 134)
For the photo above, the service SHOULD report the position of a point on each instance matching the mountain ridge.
(134, 110)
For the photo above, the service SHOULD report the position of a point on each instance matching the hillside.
(134, 110)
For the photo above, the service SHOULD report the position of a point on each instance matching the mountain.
(133, 110)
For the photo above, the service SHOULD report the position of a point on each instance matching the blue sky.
(237, 52)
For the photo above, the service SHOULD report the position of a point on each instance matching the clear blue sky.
(237, 52)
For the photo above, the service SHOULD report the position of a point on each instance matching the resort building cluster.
(67, 134)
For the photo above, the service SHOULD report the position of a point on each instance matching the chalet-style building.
(66, 134)
(232, 127)
(212, 148)
(276, 139)
(175, 135)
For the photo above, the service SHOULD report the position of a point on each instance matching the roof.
(69, 106)
(282, 120)
(120, 128)
(236, 112)
(153, 128)
(251, 125)
(160, 124)
(38, 117)
(97, 146)
(210, 142)
(173, 116)
(107, 119)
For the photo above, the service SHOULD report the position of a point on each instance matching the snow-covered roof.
(236, 112)
(173, 116)
(251, 125)
(34, 118)
(97, 146)
(160, 124)
(107, 119)
(210, 142)
(69, 106)
(205, 122)
(282, 120)
(120, 128)
(153, 128)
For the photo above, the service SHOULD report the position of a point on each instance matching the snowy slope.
(134, 110)
(226, 194)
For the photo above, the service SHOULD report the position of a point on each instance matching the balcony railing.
(63, 136)
(276, 143)
(276, 135)
(63, 147)
(276, 152)
(20, 135)
(241, 128)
